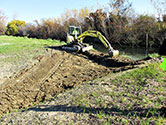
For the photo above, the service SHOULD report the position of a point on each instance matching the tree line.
(119, 26)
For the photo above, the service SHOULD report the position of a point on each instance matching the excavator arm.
(98, 35)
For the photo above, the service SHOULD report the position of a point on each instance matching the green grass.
(10, 44)
(145, 88)
(16, 53)
(132, 98)
(141, 76)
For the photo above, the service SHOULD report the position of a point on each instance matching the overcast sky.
(29, 10)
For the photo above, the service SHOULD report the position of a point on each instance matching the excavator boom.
(96, 34)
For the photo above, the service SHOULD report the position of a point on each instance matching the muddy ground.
(55, 73)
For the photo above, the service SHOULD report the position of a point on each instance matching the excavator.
(75, 42)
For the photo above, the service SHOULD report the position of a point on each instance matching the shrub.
(14, 26)
(144, 28)
(55, 28)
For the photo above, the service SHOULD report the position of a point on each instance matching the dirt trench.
(56, 73)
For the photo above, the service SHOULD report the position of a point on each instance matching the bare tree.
(120, 7)
(2, 22)
(160, 6)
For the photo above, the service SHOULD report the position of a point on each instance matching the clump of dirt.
(55, 73)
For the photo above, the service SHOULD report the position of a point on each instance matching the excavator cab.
(74, 32)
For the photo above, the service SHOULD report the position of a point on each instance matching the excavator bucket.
(115, 53)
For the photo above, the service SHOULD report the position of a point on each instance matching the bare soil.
(56, 73)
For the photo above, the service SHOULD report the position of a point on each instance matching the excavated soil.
(56, 73)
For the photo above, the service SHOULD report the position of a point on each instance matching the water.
(136, 53)
(133, 53)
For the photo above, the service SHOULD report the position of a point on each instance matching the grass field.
(18, 52)
(14, 45)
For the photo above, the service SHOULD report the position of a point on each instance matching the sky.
(30, 10)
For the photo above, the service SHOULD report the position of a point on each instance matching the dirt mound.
(55, 73)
